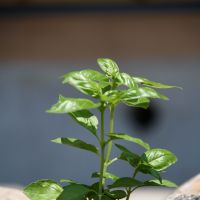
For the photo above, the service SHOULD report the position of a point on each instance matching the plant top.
(108, 88)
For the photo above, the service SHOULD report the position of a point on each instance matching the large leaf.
(108, 66)
(125, 182)
(165, 183)
(86, 119)
(159, 159)
(107, 175)
(132, 95)
(132, 158)
(68, 105)
(76, 143)
(122, 136)
(150, 93)
(43, 190)
(74, 192)
(153, 84)
(87, 81)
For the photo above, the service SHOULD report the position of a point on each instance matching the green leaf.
(147, 169)
(107, 175)
(108, 66)
(74, 192)
(116, 194)
(43, 190)
(150, 93)
(159, 159)
(68, 105)
(112, 96)
(76, 143)
(126, 79)
(165, 183)
(132, 97)
(125, 182)
(68, 181)
(86, 119)
(153, 84)
(122, 136)
(132, 158)
(87, 81)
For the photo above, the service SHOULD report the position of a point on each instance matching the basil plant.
(109, 88)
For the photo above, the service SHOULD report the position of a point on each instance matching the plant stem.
(129, 189)
(102, 159)
(111, 131)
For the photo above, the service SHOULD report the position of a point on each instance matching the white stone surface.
(9, 193)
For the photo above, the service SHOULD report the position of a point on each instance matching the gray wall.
(27, 89)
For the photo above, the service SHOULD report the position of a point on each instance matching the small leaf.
(147, 169)
(112, 96)
(107, 175)
(122, 136)
(86, 119)
(87, 81)
(125, 182)
(153, 84)
(68, 181)
(127, 80)
(43, 190)
(165, 183)
(132, 158)
(116, 194)
(159, 159)
(76, 143)
(68, 105)
(74, 192)
(108, 66)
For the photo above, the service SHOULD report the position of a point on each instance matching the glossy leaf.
(125, 182)
(159, 159)
(74, 192)
(68, 105)
(132, 97)
(107, 175)
(43, 190)
(132, 158)
(150, 93)
(108, 66)
(153, 84)
(87, 81)
(112, 96)
(142, 92)
(165, 183)
(86, 119)
(76, 143)
(126, 79)
(122, 136)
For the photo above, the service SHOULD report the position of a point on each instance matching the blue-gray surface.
(27, 89)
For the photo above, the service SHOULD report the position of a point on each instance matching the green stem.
(112, 110)
(129, 191)
(102, 159)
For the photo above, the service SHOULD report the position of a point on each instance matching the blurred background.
(42, 39)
